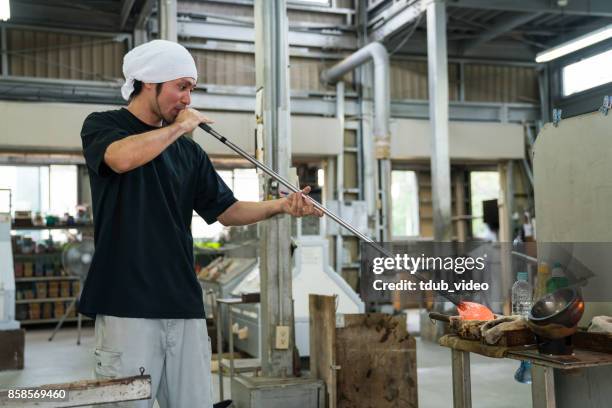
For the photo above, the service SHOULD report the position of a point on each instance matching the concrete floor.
(493, 385)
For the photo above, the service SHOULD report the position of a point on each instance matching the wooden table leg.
(462, 385)
(543, 387)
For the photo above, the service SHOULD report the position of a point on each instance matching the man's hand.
(298, 205)
(189, 119)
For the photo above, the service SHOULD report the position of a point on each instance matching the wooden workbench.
(545, 390)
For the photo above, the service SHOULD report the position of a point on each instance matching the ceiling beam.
(145, 13)
(602, 8)
(394, 18)
(499, 28)
(126, 8)
(50, 15)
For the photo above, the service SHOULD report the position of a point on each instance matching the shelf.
(44, 278)
(54, 320)
(54, 227)
(43, 300)
(40, 255)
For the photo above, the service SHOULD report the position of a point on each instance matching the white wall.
(411, 139)
(54, 126)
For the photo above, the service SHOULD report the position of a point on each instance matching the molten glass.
(474, 311)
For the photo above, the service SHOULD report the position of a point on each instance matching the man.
(146, 180)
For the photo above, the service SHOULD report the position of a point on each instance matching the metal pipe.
(377, 53)
(314, 202)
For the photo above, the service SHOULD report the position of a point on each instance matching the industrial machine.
(311, 275)
(219, 278)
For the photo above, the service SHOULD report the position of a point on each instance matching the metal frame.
(439, 117)
(327, 39)
(120, 36)
(462, 384)
(392, 19)
(599, 8)
(242, 99)
(291, 6)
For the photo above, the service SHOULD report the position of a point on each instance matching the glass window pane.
(24, 183)
(484, 185)
(588, 73)
(245, 185)
(62, 189)
(404, 203)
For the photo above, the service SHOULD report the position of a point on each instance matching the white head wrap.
(155, 62)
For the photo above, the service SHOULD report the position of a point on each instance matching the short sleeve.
(96, 135)
(212, 195)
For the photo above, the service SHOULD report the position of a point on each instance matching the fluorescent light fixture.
(5, 10)
(575, 44)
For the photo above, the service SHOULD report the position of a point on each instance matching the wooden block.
(28, 269)
(34, 311)
(11, 352)
(593, 341)
(514, 338)
(76, 287)
(65, 287)
(323, 343)
(378, 362)
(47, 310)
(41, 290)
(58, 309)
(53, 290)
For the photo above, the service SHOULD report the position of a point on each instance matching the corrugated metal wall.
(483, 83)
(44, 54)
(238, 69)
(70, 56)
(494, 83)
(409, 80)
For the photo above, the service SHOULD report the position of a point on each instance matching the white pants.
(174, 352)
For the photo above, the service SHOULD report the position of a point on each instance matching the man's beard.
(165, 120)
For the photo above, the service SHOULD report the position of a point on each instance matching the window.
(48, 190)
(404, 203)
(587, 73)
(484, 185)
(245, 185)
(45, 189)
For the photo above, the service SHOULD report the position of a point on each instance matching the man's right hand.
(189, 119)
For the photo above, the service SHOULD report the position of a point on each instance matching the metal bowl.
(556, 315)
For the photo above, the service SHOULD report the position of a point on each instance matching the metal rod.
(286, 183)
(315, 203)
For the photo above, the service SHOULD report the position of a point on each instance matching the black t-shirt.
(143, 261)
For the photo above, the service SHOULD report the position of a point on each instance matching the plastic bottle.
(522, 295)
(521, 305)
(542, 279)
(558, 279)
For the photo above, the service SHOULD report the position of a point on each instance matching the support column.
(462, 384)
(340, 172)
(4, 65)
(438, 113)
(272, 79)
(167, 20)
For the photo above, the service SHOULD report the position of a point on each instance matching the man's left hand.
(298, 205)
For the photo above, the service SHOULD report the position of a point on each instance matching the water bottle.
(521, 305)
(521, 296)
